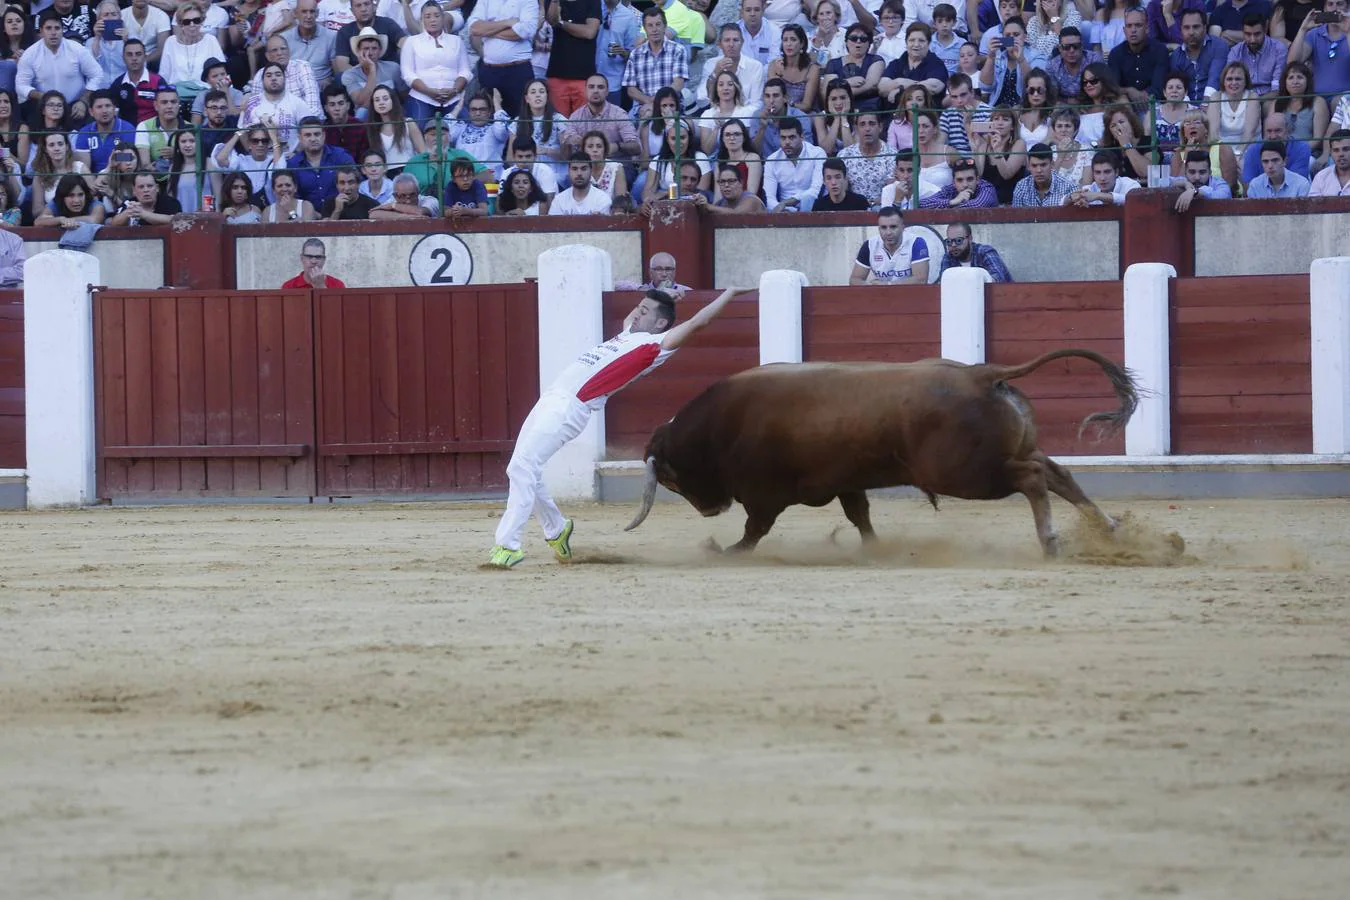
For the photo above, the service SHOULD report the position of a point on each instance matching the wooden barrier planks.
(1241, 365)
(206, 393)
(13, 453)
(871, 323)
(1022, 321)
(422, 390)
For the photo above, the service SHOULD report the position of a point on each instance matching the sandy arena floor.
(336, 702)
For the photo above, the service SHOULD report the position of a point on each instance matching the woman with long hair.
(54, 159)
(666, 107)
(521, 196)
(933, 156)
(1236, 116)
(1128, 142)
(183, 171)
(1108, 31)
(797, 68)
(900, 136)
(734, 149)
(288, 206)
(16, 36)
(1099, 90)
(115, 185)
(1306, 115)
(546, 125)
(1000, 155)
(236, 199)
(834, 127)
(391, 130)
(10, 123)
(54, 115)
(728, 103)
(1038, 99)
(606, 174)
(72, 203)
(663, 171)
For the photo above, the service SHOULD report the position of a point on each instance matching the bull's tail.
(1122, 381)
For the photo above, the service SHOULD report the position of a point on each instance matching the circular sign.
(935, 248)
(440, 260)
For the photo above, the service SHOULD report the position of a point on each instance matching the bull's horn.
(648, 494)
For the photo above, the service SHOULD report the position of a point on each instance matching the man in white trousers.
(648, 339)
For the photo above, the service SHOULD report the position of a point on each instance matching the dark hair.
(47, 15)
(524, 142)
(1204, 19)
(165, 88)
(214, 63)
(1283, 97)
(309, 122)
(803, 60)
(789, 123)
(334, 89)
(213, 95)
(959, 79)
(227, 187)
(945, 11)
(666, 93)
(1271, 147)
(665, 305)
(1013, 20)
(1197, 156)
(460, 164)
(1254, 18)
(506, 198)
(1070, 31)
(734, 170)
(834, 164)
(775, 82)
(728, 26)
(887, 212)
(1041, 150)
(1105, 157)
(347, 170)
(579, 157)
(1179, 76)
(64, 186)
(921, 28)
(1340, 134)
(129, 41)
(652, 12)
(964, 165)
(546, 123)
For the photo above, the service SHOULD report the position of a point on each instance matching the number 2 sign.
(440, 259)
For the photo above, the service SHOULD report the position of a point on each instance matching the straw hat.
(366, 34)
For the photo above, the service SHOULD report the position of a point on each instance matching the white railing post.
(1148, 354)
(963, 314)
(780, 316)
(572, 279)
(1329, 313)
(58, 349)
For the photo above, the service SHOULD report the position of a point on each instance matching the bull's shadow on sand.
(1133, 543)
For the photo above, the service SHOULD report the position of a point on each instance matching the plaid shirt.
(1025, 193)
(982, 256)
(985, 197)
(649, 73)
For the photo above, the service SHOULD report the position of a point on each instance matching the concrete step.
(13, 492)
(1117, 477)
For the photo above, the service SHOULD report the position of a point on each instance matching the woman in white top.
(1038, 98)
(606, 174)
(392, 131)
(53, 160)
(188, 48)
(1071, 160)
(544, 124)
(1237, 114)
(1099, 90)
(827, 38)
(1109, 29)
(1044, 26)
(934, 156)
(728, 103)
(262, 153)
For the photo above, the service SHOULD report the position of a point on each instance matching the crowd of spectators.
(297, 110)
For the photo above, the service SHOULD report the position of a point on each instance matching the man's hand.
(1184, 201)
(790, 203)
(962, 196)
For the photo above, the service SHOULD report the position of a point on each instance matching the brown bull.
(783, 434)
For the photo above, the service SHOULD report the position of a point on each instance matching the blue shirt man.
(1200, 55)
(315, 164)
(97, 139)
(1276, 180)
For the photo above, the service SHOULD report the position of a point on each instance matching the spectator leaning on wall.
(12, 258)
(963, 251)
(313, 256)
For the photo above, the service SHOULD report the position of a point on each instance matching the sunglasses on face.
(190, 21)
(1064, 47)
(858, 39)
(1092, 81)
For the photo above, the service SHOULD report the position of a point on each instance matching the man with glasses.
(408, 203)
(1321, 43)
(962, 251)
(1066, 69)
(1200, 55)
(312, 259)
(1139, 63)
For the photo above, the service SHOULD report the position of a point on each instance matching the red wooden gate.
(423, 391)
(13, 454)
(207, 393)
(871, 323)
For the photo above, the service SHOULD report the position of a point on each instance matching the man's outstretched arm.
(684, 331)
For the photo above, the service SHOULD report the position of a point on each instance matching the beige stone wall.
(123, 264)
(1268, 245)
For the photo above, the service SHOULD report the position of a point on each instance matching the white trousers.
(554, 421)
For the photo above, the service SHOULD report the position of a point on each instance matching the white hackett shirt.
(607, 368)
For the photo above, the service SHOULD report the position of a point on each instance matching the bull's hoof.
(711, 546)
(1051, 547)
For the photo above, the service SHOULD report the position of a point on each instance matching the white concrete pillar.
(963, 314)
(58, 348)
(780, 316)
(1148, 352)
(571, 280)
(1330, 321)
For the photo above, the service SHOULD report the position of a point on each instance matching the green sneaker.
(503, 558)
(562, 544)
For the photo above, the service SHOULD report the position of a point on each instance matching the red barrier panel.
(1241, 365)
(1022, 321)
(871, 323)
(206, 393)
(729, 345)
(13, 453)
(422, 390)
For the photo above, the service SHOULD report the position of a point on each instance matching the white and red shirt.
(609, 367)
